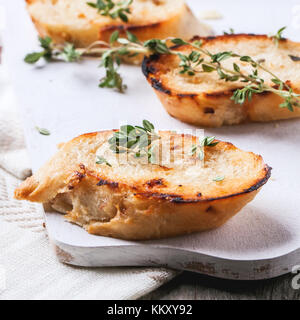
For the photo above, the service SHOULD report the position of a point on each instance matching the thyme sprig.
(198, 150)
(198, 61)
(46, 53)
(102, 160)
(113, 9)
(278, 36)
(254, 83)
(139, 141)
(54, 52)
(135, 140)
(231, 31)
(110, 54)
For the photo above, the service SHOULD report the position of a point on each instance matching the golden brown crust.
(105, 203)
(215, 108)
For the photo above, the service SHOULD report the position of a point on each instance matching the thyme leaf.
(231, 31)
(43, 131)
(278, 36)
(198, 150)
(294, 58)
(113, 9)
(47, 52)
(102, 160)
(33, 57)
(70, 54)
(219, 179)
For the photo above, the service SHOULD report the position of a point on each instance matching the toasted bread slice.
(76, 22)
(205, 100)
(136, 200)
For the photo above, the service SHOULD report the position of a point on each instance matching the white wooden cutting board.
(262, 241)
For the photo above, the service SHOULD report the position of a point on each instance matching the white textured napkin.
(28, 267)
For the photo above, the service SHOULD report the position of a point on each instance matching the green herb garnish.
(199, 60)
(198, 150)
(135, 140)
(209, 142)
(113, 9)
(219, 179)
(45, 44)
(231, 31)
(52, 52)
(70, 54)
(130, 47)
(278, 36)
(43, 131)
(101, 160)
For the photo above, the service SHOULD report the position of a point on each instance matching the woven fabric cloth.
(29, 268)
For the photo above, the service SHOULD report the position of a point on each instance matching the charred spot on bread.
(132, 28)
(209, 110)
(148, 69)
(187, 95)
(111, 184)
(155, 183)
(294, 58)
(156, 84)
(77, 177)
